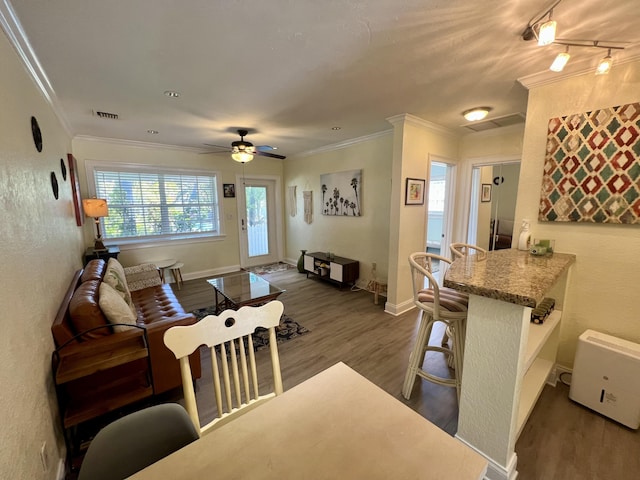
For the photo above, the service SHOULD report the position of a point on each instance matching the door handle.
(243, 226)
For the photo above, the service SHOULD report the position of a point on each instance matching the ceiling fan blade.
(269, 154)
(226, 148)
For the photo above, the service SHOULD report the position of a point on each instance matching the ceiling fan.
(243, 151)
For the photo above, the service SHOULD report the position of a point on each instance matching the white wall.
(40, 247)
(199, 258)
(603, 293)
(364, 238)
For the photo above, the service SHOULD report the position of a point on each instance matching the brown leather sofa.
(81, 324)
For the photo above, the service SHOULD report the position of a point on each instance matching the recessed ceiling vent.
(496, 122)
(111, 116)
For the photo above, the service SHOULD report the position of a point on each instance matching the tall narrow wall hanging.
(341, 193)
(293, 207)
(308, 206)
(592, 167)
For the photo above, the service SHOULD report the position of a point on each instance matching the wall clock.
(37, 134)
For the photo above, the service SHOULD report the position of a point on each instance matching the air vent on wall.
(112, 116)
(497, 122)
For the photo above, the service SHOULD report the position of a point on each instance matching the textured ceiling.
(289, 70)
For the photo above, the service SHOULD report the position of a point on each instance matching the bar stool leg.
(416, 359)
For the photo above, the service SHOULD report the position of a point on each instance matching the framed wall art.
(341, 193)
(414, 193)
(485, 194)
(75, 189)
(229, 190)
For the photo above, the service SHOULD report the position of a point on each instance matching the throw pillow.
(142, 276)
(115, 308)
(116, 278)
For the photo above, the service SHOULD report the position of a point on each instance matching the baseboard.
(495, 471)
(211, 272)
(398, 309)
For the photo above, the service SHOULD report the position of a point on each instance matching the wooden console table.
(507, 359)
(333, 268)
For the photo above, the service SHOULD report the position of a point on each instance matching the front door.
(259, 221)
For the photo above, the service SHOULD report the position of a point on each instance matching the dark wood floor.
(562, 440)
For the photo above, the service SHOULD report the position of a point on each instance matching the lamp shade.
(95, 207)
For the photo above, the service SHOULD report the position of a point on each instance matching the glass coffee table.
(240, 289)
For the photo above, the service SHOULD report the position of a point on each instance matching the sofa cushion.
(115, 277)
(85, 312)
(115, 308)
(94, 270)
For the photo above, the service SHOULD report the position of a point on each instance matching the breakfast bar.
(507, 359)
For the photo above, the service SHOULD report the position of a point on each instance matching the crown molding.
(18, 39)
(138, 144)
(419, 122)
(584, 67)
(344, 144)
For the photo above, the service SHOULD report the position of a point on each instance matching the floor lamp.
(96, 208)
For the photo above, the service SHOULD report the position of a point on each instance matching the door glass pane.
(436, 206)
(257, 221)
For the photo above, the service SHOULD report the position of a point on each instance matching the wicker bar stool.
(436, 304)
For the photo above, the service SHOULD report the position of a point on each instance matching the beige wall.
(604, 286)
(40, 247)
(200, 258)
(364, 238)
(415, 142)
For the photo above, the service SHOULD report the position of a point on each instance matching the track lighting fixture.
(605, 64)
(560, 61)
(545, 33)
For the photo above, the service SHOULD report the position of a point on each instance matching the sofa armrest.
(164, 365)
(81, 359)
(142, 276)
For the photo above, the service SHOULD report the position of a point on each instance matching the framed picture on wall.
(229, 190)
(485, 195)
(414, 194)
(75, 189)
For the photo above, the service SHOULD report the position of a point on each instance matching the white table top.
(334, 425)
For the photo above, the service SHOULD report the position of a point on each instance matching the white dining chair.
(233, 360)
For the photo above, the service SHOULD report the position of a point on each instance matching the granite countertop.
(512, 275)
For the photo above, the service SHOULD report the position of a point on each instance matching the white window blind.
(155, 204)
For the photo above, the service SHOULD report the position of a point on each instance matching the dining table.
(335, 425)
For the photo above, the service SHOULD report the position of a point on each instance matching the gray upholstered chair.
(137, 440)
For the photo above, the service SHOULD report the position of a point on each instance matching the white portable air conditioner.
(606, 377)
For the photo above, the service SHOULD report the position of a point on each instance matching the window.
(157, 203)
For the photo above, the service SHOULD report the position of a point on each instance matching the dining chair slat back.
(233, 360)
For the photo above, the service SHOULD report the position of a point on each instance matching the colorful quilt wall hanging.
(592, 167)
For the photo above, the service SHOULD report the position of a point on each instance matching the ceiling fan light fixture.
(242, 156)
(477, 113)
(605, 64)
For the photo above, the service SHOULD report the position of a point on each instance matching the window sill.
(133, 244)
